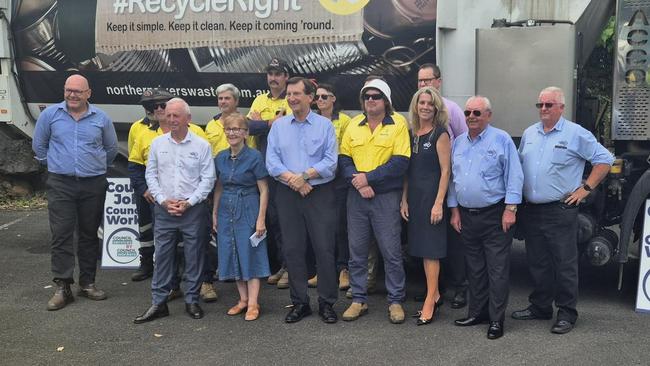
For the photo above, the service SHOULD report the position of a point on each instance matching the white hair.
(180, 101)
(486, 101)
(554, 90)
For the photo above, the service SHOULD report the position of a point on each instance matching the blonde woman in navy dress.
(423, 198)
(240, 201)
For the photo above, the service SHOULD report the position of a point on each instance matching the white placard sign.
(643, 291)
(121, 244)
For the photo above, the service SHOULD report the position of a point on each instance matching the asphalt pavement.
(608, 332)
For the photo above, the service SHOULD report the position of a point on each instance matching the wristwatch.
(305, 176)
(587, 187)
(512, 208)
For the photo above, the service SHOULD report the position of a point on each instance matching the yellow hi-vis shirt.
(217, 137)
(139, 154)
(134, 132)
(269, 107)
(370, 149)
(340, 121)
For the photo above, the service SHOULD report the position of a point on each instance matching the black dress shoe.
(495, 330)
(154, 312)
(194, 310)
(528, 314)
(298, 312)
(469, 321)
(327, 314)
(562, 327)
(459, 301)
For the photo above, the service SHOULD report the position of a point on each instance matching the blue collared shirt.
(485, 170)
(554, 161)
(81, 148)
(296, 146)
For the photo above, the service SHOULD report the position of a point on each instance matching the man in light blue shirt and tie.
(553, 153)
(77, 142)
(302, 156)
(483, 196)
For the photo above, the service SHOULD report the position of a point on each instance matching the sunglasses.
(545, 105)
(323, 96)
(474, 112)
(153, 106)
(373, 96)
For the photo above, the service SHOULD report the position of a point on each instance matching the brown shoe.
(208, 292)
(92, 292)
(274, 278)
(355, 310)
(396, 313)
(313, 282)
(62, 296)
(253, 313)
(239, 308)
(283, 283)
(344, 279)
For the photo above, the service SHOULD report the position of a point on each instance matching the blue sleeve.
(273, 161)
(514, 175)
(41, 139)
(590, 150)
(110, 140)
(259, 170)
(138, 181)
(326, 168)
(395, 167)
(256, 128)
(347, 168)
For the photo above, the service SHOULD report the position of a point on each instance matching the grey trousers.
(192, 225)
(379, 215)
(75, 203)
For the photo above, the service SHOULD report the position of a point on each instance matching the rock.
(17, 157)
(20, 188)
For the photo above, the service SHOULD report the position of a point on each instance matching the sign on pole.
(643, 291)
(120, 248)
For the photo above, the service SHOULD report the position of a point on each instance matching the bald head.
(76, 93)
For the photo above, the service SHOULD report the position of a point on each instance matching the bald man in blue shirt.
(553, 153)
(483, 196)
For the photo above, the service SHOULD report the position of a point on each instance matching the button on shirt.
(82, 148)
(485, 170)
(554, 161)
(296, 146)
(180, 170)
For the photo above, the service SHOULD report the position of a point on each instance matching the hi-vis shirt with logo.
(217, 137)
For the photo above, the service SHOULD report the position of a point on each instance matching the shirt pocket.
(315, 146)
(560, 155)
(490, 172)
(190, 165)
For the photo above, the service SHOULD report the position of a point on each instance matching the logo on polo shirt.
(344, 7)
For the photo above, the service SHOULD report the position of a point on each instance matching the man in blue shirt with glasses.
(77, 142)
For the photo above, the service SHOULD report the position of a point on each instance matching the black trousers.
(145, 221)
(453, 272)
(551, 233)
(487, 254)
(75, 203)
(274, 230)
(304, 220)
(342, 247)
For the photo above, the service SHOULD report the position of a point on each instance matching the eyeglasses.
(423, 81)
(373, 96)
(323, 96)
(474, 112)
(235, 130)
(74, 92)
(545, 105)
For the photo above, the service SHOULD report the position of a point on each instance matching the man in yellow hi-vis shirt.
(227, 100)
(374, 157)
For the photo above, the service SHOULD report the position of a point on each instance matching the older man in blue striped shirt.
(483, 196)
(77, 142)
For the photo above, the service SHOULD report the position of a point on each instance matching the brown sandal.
(237, 309)
(253, 313)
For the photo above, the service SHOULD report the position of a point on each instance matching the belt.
(480, 210)
(75, 177)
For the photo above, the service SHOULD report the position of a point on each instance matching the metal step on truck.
(506, 50)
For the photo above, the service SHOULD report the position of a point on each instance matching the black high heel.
(422, 321)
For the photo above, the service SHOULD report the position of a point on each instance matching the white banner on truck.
(643, 291)
(123, 25)
(121, 244)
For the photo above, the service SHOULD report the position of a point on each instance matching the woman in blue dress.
(240, 201)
